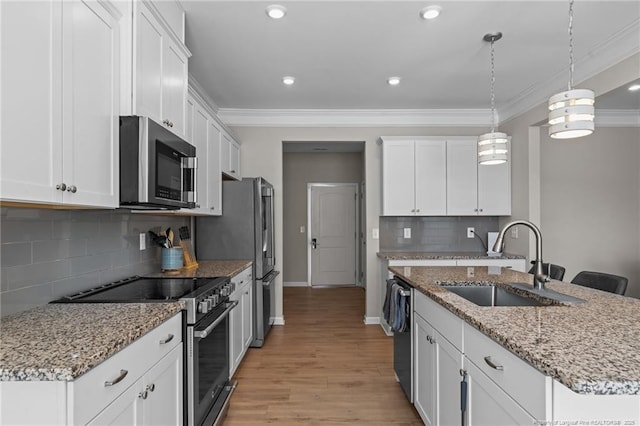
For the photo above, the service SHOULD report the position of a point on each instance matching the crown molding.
(355, 117)
(617, 118)
(622, 45)
(196, 87)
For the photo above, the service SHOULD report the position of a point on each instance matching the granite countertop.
(423, 255)
(209, 269)
(592, 348)
(64, 341)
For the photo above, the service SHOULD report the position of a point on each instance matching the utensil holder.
(172, 258)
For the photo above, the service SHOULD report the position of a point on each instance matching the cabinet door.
(163, 384)
(124, 410)
(398, 174)
(174, 87)
(200, 137)
(491, 406)
(235, 333)
(214, 173)
(462, 177)
(448, 390)
(234, 159)
(247, 314)
(424, 373)
(31, 84)
(90, 105)
(431, 177)
(147, 94)
(188, 126)
(225, 153)
(494, 189)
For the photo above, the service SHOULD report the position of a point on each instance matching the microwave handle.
(191, 163)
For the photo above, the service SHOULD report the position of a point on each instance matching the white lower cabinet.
(437, 379)
(241, 319)
(489, 405)
(140, 385)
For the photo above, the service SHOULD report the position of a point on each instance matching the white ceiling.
(342, 52)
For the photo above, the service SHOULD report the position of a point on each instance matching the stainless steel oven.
(208, 367)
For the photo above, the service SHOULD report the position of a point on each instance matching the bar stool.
(601, 281)
(556, 272)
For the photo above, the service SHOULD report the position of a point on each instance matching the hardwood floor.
(324, 367)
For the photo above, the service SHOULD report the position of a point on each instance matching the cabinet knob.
(151, 387)
(418, 210)
(213, 208)
(143, 395)
(61, 186)
(481, 210)
(72, 189)
(413, 210)
(232, 171)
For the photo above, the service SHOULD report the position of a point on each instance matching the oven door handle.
(204, 333)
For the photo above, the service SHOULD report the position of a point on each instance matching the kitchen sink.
(490, 295)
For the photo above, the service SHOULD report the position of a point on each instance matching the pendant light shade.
(492, 146)
(571, 113)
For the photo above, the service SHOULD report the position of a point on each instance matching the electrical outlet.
(375, 233)
(143, 241)
(302, 229)
(514, 233)
(471, 272)
(470, 232)
(407, 232)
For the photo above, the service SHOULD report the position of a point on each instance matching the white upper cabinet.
(154, 69)
(413, 177)
(59, 109)
(472, 188)
(440, 176)
(203, 131)
(230, 156)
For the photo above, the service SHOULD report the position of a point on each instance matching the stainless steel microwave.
(157, 168)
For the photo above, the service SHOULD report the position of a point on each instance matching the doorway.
(333, 234)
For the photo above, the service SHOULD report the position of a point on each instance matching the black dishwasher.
(397, 312)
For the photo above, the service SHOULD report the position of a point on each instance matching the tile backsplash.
(46, 254)
(435, 234)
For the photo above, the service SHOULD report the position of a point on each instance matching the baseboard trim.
(295, 284)
(386, 328)
(371, 320)
(278, 321)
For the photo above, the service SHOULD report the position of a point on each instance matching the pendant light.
(492, 146)
(571, 113)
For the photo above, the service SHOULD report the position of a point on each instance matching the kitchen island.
(589, 352)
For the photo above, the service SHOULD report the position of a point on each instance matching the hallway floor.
(324, 367)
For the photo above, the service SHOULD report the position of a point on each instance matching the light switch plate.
(302, 229)
(375, 233)
(470, 232)
(407, 232)
(143, 241)
(471, 272)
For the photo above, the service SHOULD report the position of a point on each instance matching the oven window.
(213, 362)
(168, 172)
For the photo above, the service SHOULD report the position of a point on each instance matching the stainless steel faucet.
(539, 278)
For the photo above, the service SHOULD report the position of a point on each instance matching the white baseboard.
(295, 284)
(278, 321)
(386, 328)
(371, 320)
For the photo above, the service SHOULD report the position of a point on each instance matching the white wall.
(261, 153)
(590, 194)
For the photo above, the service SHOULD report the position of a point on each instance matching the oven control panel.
(206, 298)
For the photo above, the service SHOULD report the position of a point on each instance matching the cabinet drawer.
(89, 394)
(447, 323)
(522, 382)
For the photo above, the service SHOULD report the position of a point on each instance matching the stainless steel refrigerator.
(245, 231)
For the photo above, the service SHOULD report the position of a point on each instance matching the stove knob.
(202, 307)
(209, 303)
(216, 299)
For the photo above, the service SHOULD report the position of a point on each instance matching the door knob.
(314, 243)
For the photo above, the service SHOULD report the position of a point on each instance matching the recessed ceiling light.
(276, 11)
(393, 81)
(288, 80)
(634, 87)
(430, 12)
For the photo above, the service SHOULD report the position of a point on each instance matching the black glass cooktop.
(138, 289)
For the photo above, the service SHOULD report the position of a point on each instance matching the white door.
(333, 234)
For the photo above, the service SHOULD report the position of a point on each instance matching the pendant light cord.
(571, 66)
(493, 96)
